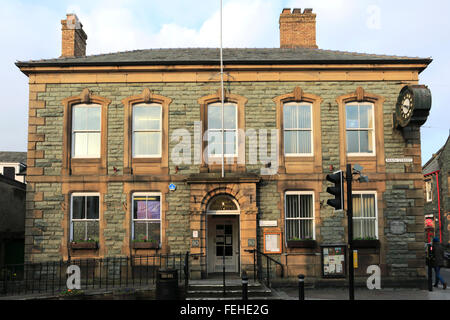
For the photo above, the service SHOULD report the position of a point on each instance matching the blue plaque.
(172, 187)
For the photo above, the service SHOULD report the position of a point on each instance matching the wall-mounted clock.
(413, 105)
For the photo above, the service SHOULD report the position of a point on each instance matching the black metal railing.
(265, 270)
(95, 274)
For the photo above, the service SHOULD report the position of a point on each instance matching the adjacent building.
(126, 149)
(13, 165)
(436, 173)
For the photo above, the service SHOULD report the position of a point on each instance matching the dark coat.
(438, 255)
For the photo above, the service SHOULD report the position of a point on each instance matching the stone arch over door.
(201, 192)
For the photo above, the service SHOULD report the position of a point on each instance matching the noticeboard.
(334, 262)
(272, 242)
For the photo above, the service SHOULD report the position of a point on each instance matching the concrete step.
(214, 291)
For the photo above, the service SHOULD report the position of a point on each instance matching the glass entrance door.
(223, 244)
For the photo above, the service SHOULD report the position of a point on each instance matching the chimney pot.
(298, 30)
(73, 37)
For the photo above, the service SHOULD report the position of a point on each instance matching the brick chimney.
(297, 29)
(73, 37)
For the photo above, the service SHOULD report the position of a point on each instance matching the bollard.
(301, 287)
(244, 286)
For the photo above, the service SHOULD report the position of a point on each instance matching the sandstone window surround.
(84, 163)
(308, 159)
(233, 162)
(84, 216)
(146, 162)
(146, 217)
(374, 160)
(365, 215)
(299, 215)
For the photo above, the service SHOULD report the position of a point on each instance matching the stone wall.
(399, 185)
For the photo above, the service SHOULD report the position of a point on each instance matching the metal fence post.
(301, 287)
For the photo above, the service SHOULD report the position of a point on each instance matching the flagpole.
(222, 90)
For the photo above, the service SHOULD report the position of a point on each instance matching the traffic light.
(337, 191)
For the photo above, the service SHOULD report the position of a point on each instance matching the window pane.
(92, 207)
(297, 116)
(352, 116)
(214, 117)
(146, 117)
(365, 141)
(352, 141)
(292, 227)
(147, 143)
(297, 142)
(306, 209)
(86, 144)
(84, 230)
(86, 117)
(292, 206)
(149, 230)
(78, 207)
(230, 142)
(365, 116)
(214, 142)
(93, 144)
(230, 116)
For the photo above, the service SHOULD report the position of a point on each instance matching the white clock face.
(407, 106)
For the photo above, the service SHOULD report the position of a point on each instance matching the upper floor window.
(84, 216)
(146, 220)
(9, 172)
(428, 190)
(365, 217)
(86, 131)
(297, 120)
(360, 128)
(299, 215)
(229, 128)
(147, 120)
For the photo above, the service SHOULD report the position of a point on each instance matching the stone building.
(436, 174)
(127, 147)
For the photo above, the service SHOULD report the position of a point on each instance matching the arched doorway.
(222, 216)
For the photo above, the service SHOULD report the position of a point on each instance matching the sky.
(31, 30)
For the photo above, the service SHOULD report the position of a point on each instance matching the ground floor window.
(146, 218)
(299, 215)
(84, 217)
(365, 226)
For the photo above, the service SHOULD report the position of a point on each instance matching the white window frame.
(218, 212)
(313, 218)
(133, 152)
(376, 210)
(429, 190)
(149, 194)
(226, 155)
(373, 153)
(83, 105)
(83, 194)
(299, 129)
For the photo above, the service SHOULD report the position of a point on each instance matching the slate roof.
(190, 56)
(8, 156)
(432, 164)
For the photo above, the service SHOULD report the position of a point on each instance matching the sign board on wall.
(334, 261)
(272, 242)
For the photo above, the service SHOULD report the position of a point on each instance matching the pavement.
(291, 293)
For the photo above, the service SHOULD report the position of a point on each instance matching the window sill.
(301, 243)
(147, 160)
(361, 244)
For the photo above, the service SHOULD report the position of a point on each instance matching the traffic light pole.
(349, 178)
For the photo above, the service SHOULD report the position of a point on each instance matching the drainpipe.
(436, 173)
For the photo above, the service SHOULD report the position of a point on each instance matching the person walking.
(438, 262)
